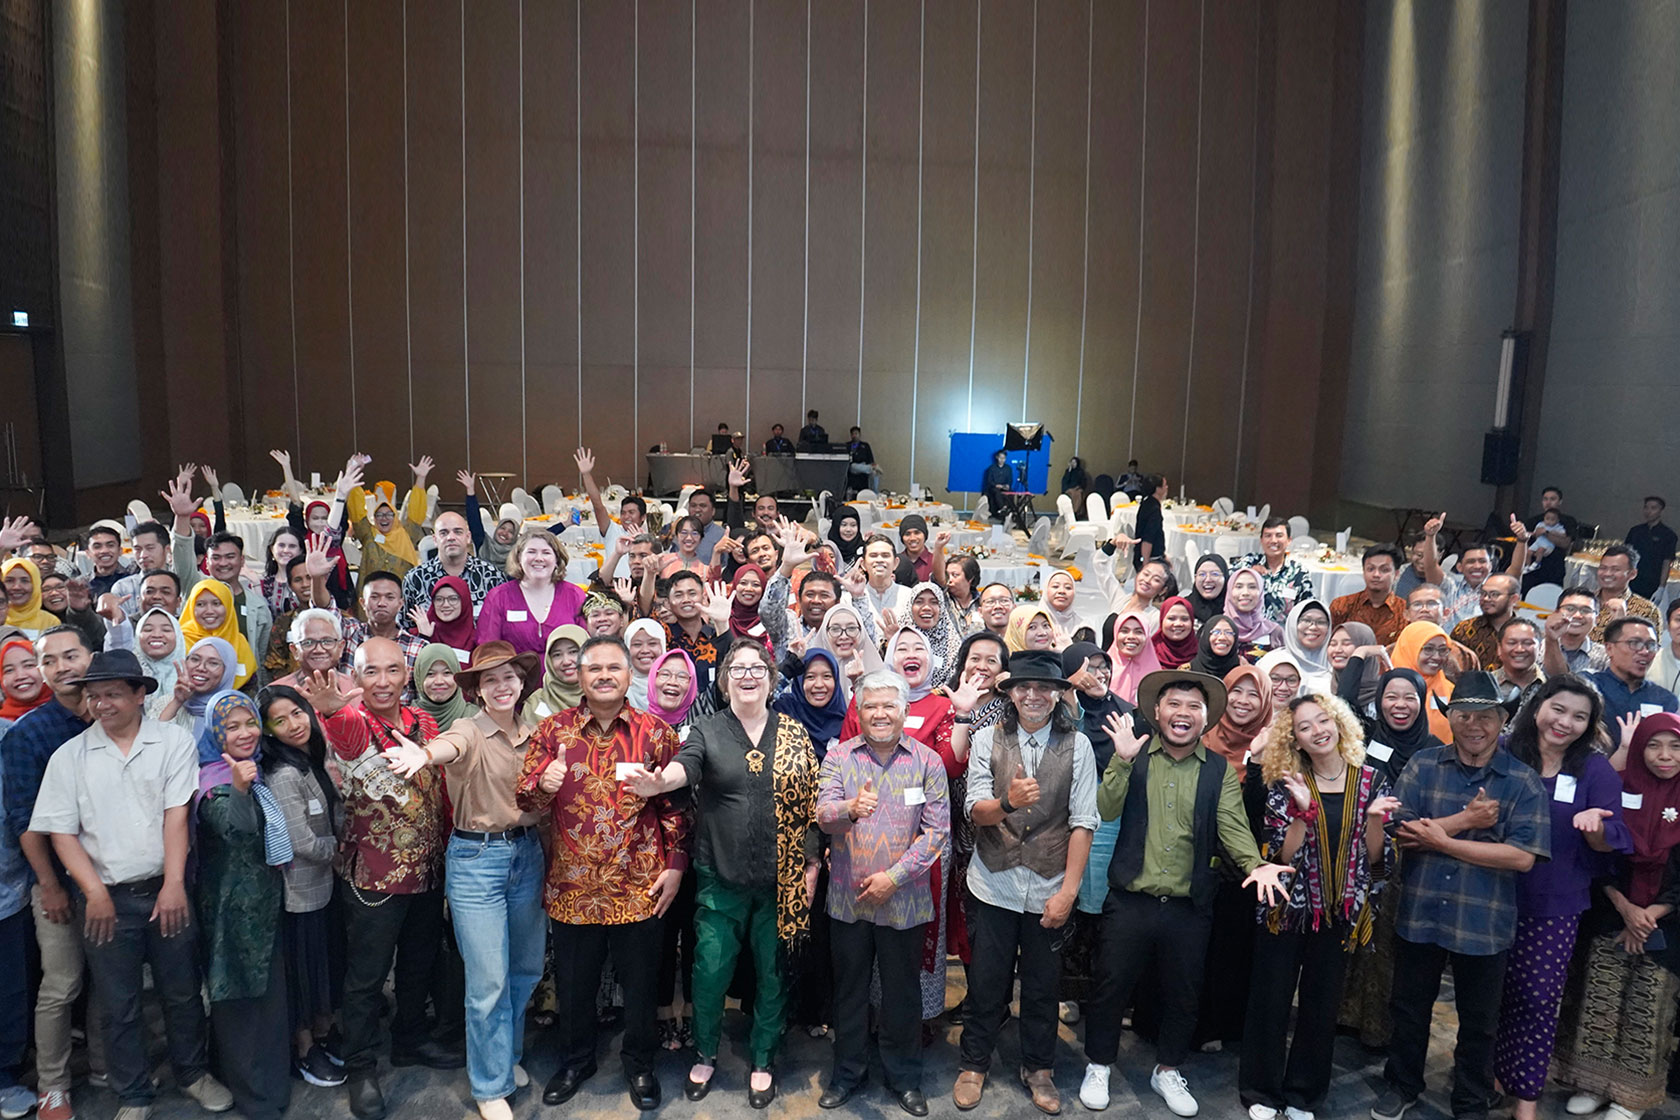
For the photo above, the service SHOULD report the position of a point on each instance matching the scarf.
(1175, 654)
(397, 542)
(943, 639)
(1206, 609)
(1414, 738)
(1015, 633)
(1251, 625)
(1281, 657)
(822, 724)
(30, 616)
(1232, 739)
(848, 549)
(1437, 689)
(1066, 621)
(1206, 661)
(341, 565)
(640, 682)
(461, 634)
(743, 618)
(556, 695)
(1128, 672)
(214, 771)
(195, 704)
(793, 774)
(493, 551)
(446, 711)
(925, 685)
(865, 648)
(677, 716)
(13, 708)
(1314, 664)
(1653, 837)
(1362, 635)
(240, 659)
(162, 669)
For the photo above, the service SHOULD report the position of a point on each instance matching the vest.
(1035, 837)
(1127, 864)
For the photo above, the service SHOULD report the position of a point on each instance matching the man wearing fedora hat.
(1475, 818)
(1032, 796)
(115, 800)
(1181, 813)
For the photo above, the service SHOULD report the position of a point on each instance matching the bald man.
(454, 558)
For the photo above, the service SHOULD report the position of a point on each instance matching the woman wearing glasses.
(685, 549)
(755, 856)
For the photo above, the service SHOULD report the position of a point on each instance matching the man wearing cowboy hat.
(1183, 813)
(115, 800)
(1032, 796)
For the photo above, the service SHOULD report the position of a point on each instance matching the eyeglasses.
(1576, 610)
(1638, 645)
(668, 677)
(687, 533)
(318, 643)
(446, 600)
(849, 630)
(748, 672)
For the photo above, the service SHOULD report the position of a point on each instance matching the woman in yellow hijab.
(1425, 648)
(387, 540)
(208, 613)
(22, 580)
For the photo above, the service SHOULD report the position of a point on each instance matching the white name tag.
(623, 770)
(1632, 800)
(913, 723)
(1382, 752)
(682, 736)
(1649, 709)
(244, 669)
(1262, 640)
(464, 654)
(518, 616)
(1565, 790)
(915, 795)
(314, 807)
(543, 710)
(245, 609)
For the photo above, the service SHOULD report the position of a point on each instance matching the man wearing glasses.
(1631, 644)
(1569, 649)
(317, 641)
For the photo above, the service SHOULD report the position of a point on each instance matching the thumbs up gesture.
(1482, 812)
(243, 772)
(863, 805)
(1023, 791)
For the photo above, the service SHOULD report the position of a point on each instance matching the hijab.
(943, 639)
(14, 709)
(744, 621)
(493, 551)
(334, 548)
(1438, 689)
(214, 771)
(462, 633)
(1653, 837)
(1251, 625)
(556, 695)
(677, 716)
(917, 691)
(866, 651)
(823, 724)
(1211, 663)
(640, 683)
(1362, 635)
(1093, 711)
(848, 549)
(1205, 609)
(195, 704)
(1415, 738)
(241, 660)
(30, 616)
(161, 670)
(1175, 654)
(1015, 634)
(1128, 672)
(1230, 738)
(1066, 621)
(1281, 657)
(1316, 675)
(397, 542)
(447, 711)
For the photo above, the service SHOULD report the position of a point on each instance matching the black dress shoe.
(836, 1095)
(431, 1054)
(564, 1085)
(644, 1090)
(762, 1100)
(697, 1090)
(366, 1101)
(912, 1101)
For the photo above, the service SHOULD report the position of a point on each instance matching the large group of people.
(818, 769)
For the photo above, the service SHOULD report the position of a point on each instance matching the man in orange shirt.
(1377, 606)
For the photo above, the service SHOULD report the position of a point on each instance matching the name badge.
(623, 770)
(1382, 752)
(245, 609)
(1565, 790)
(1632, 800)
(244, 669)
(314, 807)
(682, 736)
(913, 723)
(915, 795)
(464, 654)
(518, 616)
(1262, 641)
(1649, 709)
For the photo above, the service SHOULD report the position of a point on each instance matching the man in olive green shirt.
(1177, 823)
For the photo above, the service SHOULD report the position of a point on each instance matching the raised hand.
(242, 772)
(794, 552)
(641, 782)
(422, 469)
(853, 579)
(1518, 529)
(889, 621)
(112, 606)
(317, 560)
(284, 458)
(1023, 791)
(81, 595)
(941, 539)
(719, 602)
(405, 757)
(624, 589)
(1127, 742)
(468, 481)
(863, 805)
(183, 689)
(1432, 527)
(737, 475)
(324, 694)
(349, 478)
(178, 494)
(15, 532)
(212, 480)
(854, 667)
(1380, 809)
(1625, 727)
(421, 621)
(585, 460)
(967, 695)
(1482, 812)
(1298, 790)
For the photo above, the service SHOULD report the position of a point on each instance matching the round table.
(256, 529)
(1581, 570)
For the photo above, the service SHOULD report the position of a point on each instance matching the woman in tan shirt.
(494, 867)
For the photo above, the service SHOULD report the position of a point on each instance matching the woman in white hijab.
(844, 634)
(646, 639)
(1306, 635)
(160, 647)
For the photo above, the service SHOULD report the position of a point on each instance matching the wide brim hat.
(1042, 665)
(117, 665)
(493, 655)
(1149, 691)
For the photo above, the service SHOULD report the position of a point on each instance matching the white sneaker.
(1585, 1104)
(1170, 1086)
(1618, 1112)
(1068, 1012)
(520, 1077)
(1297, 1113)
(1093, 1091)
(1261, 1112)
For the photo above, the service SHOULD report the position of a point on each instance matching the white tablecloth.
(256, 530)
(874, 513)
(1583, 571)
(1332, 583)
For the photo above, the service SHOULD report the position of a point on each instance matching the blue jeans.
(495, 898)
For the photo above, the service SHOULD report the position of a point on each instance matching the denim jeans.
(495, 899)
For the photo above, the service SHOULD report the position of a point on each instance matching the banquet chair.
(1265, 512)
(1450, 563)
(552, 496)
(527, 504)
(1040, 535)
(1543, 596)
(1303, 544)
(682, 499)
(1081, 535)
(140, 511)
(1299, 527)
(1224, 507)
(232, 495)
(1096, 510)
(983, 509)
(867, 495)
(427, 548)
(1185, 566)
(431, 504)
(488, 520)
(1120, 498)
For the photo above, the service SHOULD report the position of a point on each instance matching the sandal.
(668, 1035)
(685, 1032)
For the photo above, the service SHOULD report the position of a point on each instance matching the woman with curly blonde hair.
(1325, 811)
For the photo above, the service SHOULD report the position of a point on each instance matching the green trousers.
(726, 916)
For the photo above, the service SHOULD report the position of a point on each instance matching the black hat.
(1075, 656)
(912, 521)
(117, 665)
(1149, 691)
(1044, 665)
(1475, 690)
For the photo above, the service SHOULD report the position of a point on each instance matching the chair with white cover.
(488, 520)
(232, 495)
(1224, 507)
(1040, 535)
(1117, 499)
(867, 495)
(1299, 527)
(1064, 509)
(1543, 596)
(1265, 512)
(1450, 563)
(427, 548)
(1082, 537)
(1184, 567)
(352, 551)
(527, 505)
(431, 504)
(1096, 511)
(1303, 544)
(682, 499)
(983, 509)
(140, 511)
(552, 496)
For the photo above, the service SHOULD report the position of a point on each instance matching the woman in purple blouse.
(536, 601)
(1558, 734)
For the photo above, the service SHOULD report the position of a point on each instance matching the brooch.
(755, 761)
(1671, 814)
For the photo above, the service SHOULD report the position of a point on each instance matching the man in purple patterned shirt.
(884, 802)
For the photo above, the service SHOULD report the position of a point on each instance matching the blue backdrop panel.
(971, 454)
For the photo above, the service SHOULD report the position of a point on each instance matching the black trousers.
(998, 937)
(579, 953)
(379, 927)
(1140, 931)
(676, 957)
(254, 1046)
(898, 952)
(1478, 984)
(1276, 1070)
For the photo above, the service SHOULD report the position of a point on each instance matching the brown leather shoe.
(1045, 1098)
(968, 1089)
